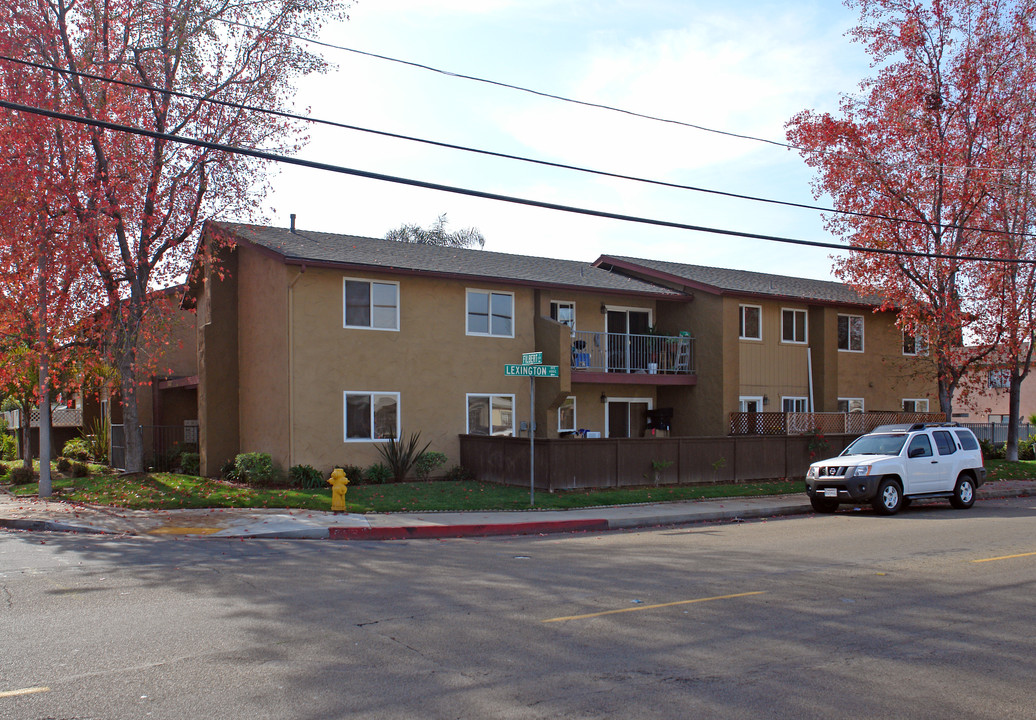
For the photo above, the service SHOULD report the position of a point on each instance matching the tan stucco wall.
(218, 368)
(881, 374)
(263, 354)
(770, 367)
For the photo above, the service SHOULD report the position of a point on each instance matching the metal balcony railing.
(625, 353)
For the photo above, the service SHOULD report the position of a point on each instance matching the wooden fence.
(570, 464)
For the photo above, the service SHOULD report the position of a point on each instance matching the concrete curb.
(453, 531)
(50, 526)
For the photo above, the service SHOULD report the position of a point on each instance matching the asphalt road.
(925, 614)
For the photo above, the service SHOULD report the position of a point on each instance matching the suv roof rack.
(909, 427)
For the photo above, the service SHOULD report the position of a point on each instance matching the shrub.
(190, 463)
(1027, 448)
(459, 473)
(77, 449)
(306, 477)
(401, 456)
(991, 451)
(97, 440)
(22, 475)
(377, 474)
(428, 462)
(353, 472)
(64, 464)
(228, 470)
(8, 446)
(80, 470)
(254, 468)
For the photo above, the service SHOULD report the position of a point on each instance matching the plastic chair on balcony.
(580, 358)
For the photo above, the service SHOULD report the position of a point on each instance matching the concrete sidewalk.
(51, 515)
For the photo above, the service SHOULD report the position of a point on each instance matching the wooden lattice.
(777, 423)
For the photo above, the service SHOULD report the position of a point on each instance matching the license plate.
(830, 492)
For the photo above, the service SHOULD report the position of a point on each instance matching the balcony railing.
(625, 353)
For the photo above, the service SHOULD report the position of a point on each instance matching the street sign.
(530, 370)
(533, 358)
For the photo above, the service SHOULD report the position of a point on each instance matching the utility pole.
(44, 491)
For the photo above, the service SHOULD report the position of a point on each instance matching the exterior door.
(627, 418)
(624, 327)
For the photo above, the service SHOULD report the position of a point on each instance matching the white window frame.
(743, 400)
(371, 283)
(796, 399)
(742, 324)
(372, 394)
(556, 305)
(917, 403)
(490, 294)
(849, 404)
(629, 401)
(920, 344)
(999, 379)
(467, 410)
(849, 334)
(795, 325)
(575, 422)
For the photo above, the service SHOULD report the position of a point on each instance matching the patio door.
(621, 324)
(626, 418)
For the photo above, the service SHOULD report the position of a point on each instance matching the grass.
(1003, 470)
(165, 491)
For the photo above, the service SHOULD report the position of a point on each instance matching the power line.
(273, 157)
(492, 153)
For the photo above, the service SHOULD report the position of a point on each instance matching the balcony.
(642, 359)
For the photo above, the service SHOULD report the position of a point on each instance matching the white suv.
(894, 464)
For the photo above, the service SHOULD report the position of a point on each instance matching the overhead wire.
(274, 157)
(493, 153)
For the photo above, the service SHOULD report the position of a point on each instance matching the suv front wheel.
(963, 493)
(889, 498)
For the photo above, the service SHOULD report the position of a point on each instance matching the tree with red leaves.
(135, 203)
(914, 158)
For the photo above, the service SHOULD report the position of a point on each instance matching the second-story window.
(370, 304)
(793, 326)
(751, 326)
(850, 333)
(914, 344)
(1000, 378)
(490, 313)
(563, 312)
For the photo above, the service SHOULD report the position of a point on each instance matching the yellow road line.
(23, 691)
(652, 607)
(1005, 557)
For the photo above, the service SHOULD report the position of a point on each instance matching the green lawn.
(169, 491)
(1003, 470)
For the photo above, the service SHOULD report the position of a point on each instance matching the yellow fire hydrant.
(339, 483)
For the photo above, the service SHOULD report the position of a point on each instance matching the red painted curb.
(441, 531)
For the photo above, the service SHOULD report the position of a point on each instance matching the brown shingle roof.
(389, 255)
(743, 282)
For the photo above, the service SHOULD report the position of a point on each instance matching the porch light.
(604, 398)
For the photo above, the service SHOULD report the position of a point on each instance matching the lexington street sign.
(530, 370)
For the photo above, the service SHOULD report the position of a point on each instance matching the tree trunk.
(25, 420)
(131, 414)
(1014, 409)
(946, 398)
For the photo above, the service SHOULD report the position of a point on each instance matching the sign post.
(532, 367)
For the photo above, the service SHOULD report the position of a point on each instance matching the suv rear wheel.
(889, 498)
(963, 493)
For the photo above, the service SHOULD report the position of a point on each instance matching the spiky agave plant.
(401, 456)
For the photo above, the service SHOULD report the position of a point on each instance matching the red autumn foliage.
(922, 148)
(133, 205)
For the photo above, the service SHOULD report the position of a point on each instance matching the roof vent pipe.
(293, 223)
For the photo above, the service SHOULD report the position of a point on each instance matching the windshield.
(876, 445)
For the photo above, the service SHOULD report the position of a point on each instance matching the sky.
(740, 66)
